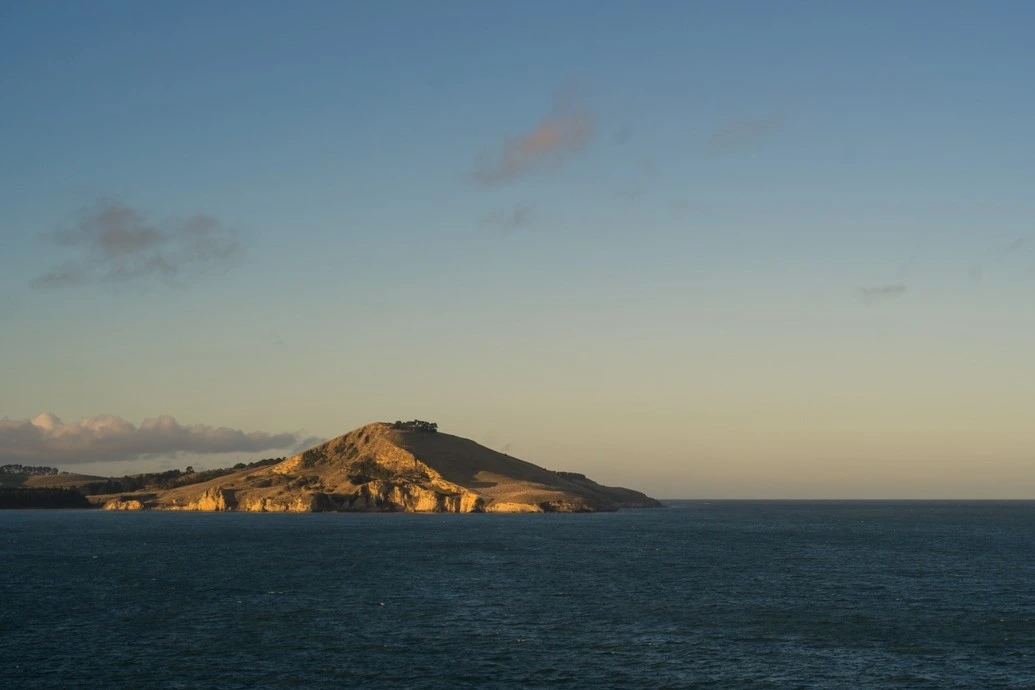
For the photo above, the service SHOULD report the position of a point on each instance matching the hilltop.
(390, 467)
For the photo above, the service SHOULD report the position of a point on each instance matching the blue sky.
(703, 249)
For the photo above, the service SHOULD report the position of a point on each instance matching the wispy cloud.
(47, 440)
(507, 221)
(882, 293)
(743, 134)
(566, 130)
(112, 242)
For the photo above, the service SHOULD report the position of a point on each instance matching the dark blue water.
(722, 594)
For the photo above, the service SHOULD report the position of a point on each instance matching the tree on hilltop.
(417, 425)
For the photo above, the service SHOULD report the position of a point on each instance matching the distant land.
(380, 467)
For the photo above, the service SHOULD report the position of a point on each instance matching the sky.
(704, 250)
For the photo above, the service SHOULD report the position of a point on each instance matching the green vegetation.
(367, 470)
(170, 479)
(417, 425)
(309, 481)
(22, 497)
(14, 475)
(313, 456)
(28, 470)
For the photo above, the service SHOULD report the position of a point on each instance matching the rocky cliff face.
(123, 504)
(381, 468)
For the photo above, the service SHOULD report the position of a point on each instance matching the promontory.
(383, 467)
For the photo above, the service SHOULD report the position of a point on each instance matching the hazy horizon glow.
(744, 251)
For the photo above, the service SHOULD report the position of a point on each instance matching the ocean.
(721, 594)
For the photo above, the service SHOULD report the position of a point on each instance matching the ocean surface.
(701, 594)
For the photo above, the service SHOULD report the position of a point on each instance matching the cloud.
(566, 130)
(882, 293)
(113, 243)
(743, 134)
(507, 221)
(47, 440)
(307, 442)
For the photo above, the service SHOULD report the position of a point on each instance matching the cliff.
(382, 468)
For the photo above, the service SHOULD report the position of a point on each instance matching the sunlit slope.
(381, 468)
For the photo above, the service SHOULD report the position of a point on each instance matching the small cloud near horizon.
(882, 293)
(111, 242)
(565, 131)
(307, 442)
(47, 440)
